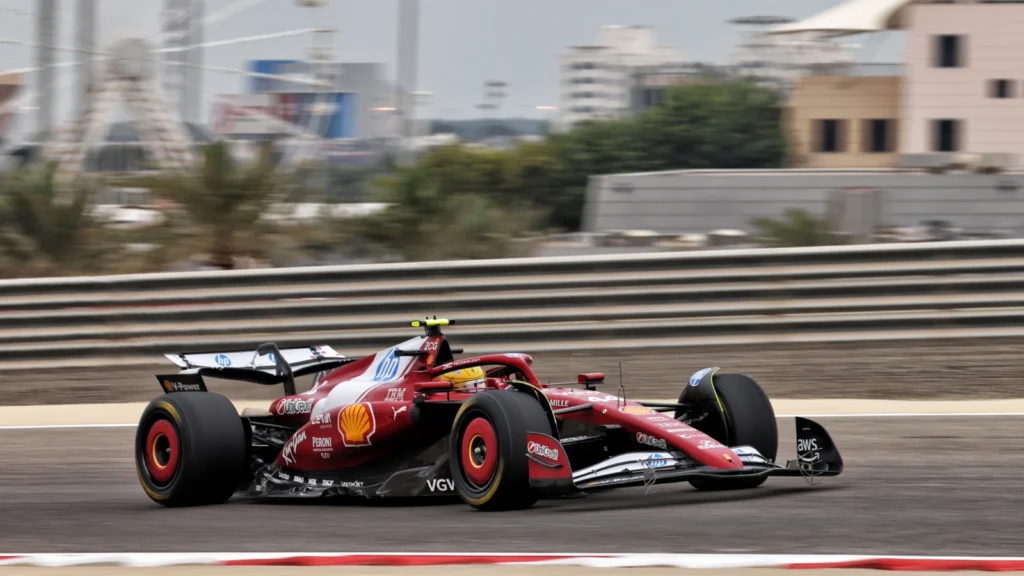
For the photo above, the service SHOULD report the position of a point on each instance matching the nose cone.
(730, 458)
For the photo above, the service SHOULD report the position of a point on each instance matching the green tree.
(219, 205)
(46, 229)
(796, 228)
(713, 124)
(723, 125)
(423, 222)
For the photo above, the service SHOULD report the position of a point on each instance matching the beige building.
(960, 98)
(844, 121)
(10, 85)
(963, 81)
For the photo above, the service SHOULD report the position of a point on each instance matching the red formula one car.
(412, 420)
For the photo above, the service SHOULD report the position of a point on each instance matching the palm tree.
(48, 229)
(220, 204)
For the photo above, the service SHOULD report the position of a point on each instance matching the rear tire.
(487, 449)
(750, 421)
(190, 449)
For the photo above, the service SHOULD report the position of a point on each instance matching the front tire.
(487, 449)
(749, 421)
(190, 449)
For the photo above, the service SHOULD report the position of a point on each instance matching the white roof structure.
(851, 17)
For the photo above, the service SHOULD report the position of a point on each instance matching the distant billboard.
(301, 71)
(329, 115)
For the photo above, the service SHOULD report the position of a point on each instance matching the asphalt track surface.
(925, 485)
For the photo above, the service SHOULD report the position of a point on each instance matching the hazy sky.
(463, 42)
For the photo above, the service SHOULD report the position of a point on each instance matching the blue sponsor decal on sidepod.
(222, 360)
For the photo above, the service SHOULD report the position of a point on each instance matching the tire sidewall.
(512, 415)
(469, 412)
(163, 408)
(212, 448)
(750, 420)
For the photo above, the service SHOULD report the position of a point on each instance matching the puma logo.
(398, 411)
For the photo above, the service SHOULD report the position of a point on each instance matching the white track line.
(819, 416)
(908, 415)
(60, 426)
(593, 560)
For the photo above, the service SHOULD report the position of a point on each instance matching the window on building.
(1000, 88)
(949, 51)
(946, 135)
(830, 135)
(651, 97)
(878, 135)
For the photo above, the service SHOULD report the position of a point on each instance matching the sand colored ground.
(437, 571)
(127, 413)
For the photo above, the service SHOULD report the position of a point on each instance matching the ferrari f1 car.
(412, 420)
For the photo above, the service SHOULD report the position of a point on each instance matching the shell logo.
(636, 410)
(357, 424)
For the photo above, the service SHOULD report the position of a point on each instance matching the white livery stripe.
(385, 368)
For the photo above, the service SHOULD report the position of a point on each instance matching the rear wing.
(267, 365)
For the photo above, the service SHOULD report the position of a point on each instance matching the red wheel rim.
(162, 451)
(479, 454)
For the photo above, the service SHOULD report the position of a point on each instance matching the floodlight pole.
(407, 78)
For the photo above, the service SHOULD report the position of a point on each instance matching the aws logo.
(357, 424)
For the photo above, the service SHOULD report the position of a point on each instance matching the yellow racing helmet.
(465, 378)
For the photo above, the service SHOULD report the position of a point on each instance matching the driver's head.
(466, 378)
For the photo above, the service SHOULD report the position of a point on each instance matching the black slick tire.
(750, 421)
(487, 449)
(190, 449)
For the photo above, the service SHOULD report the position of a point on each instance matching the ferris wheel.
(151, 79)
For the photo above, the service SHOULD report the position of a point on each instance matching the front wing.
(817, 456)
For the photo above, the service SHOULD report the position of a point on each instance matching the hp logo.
(388, 367)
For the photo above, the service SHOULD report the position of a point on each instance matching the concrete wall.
(697, 201)
(850, 98)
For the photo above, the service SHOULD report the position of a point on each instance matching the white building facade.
(596, 80)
